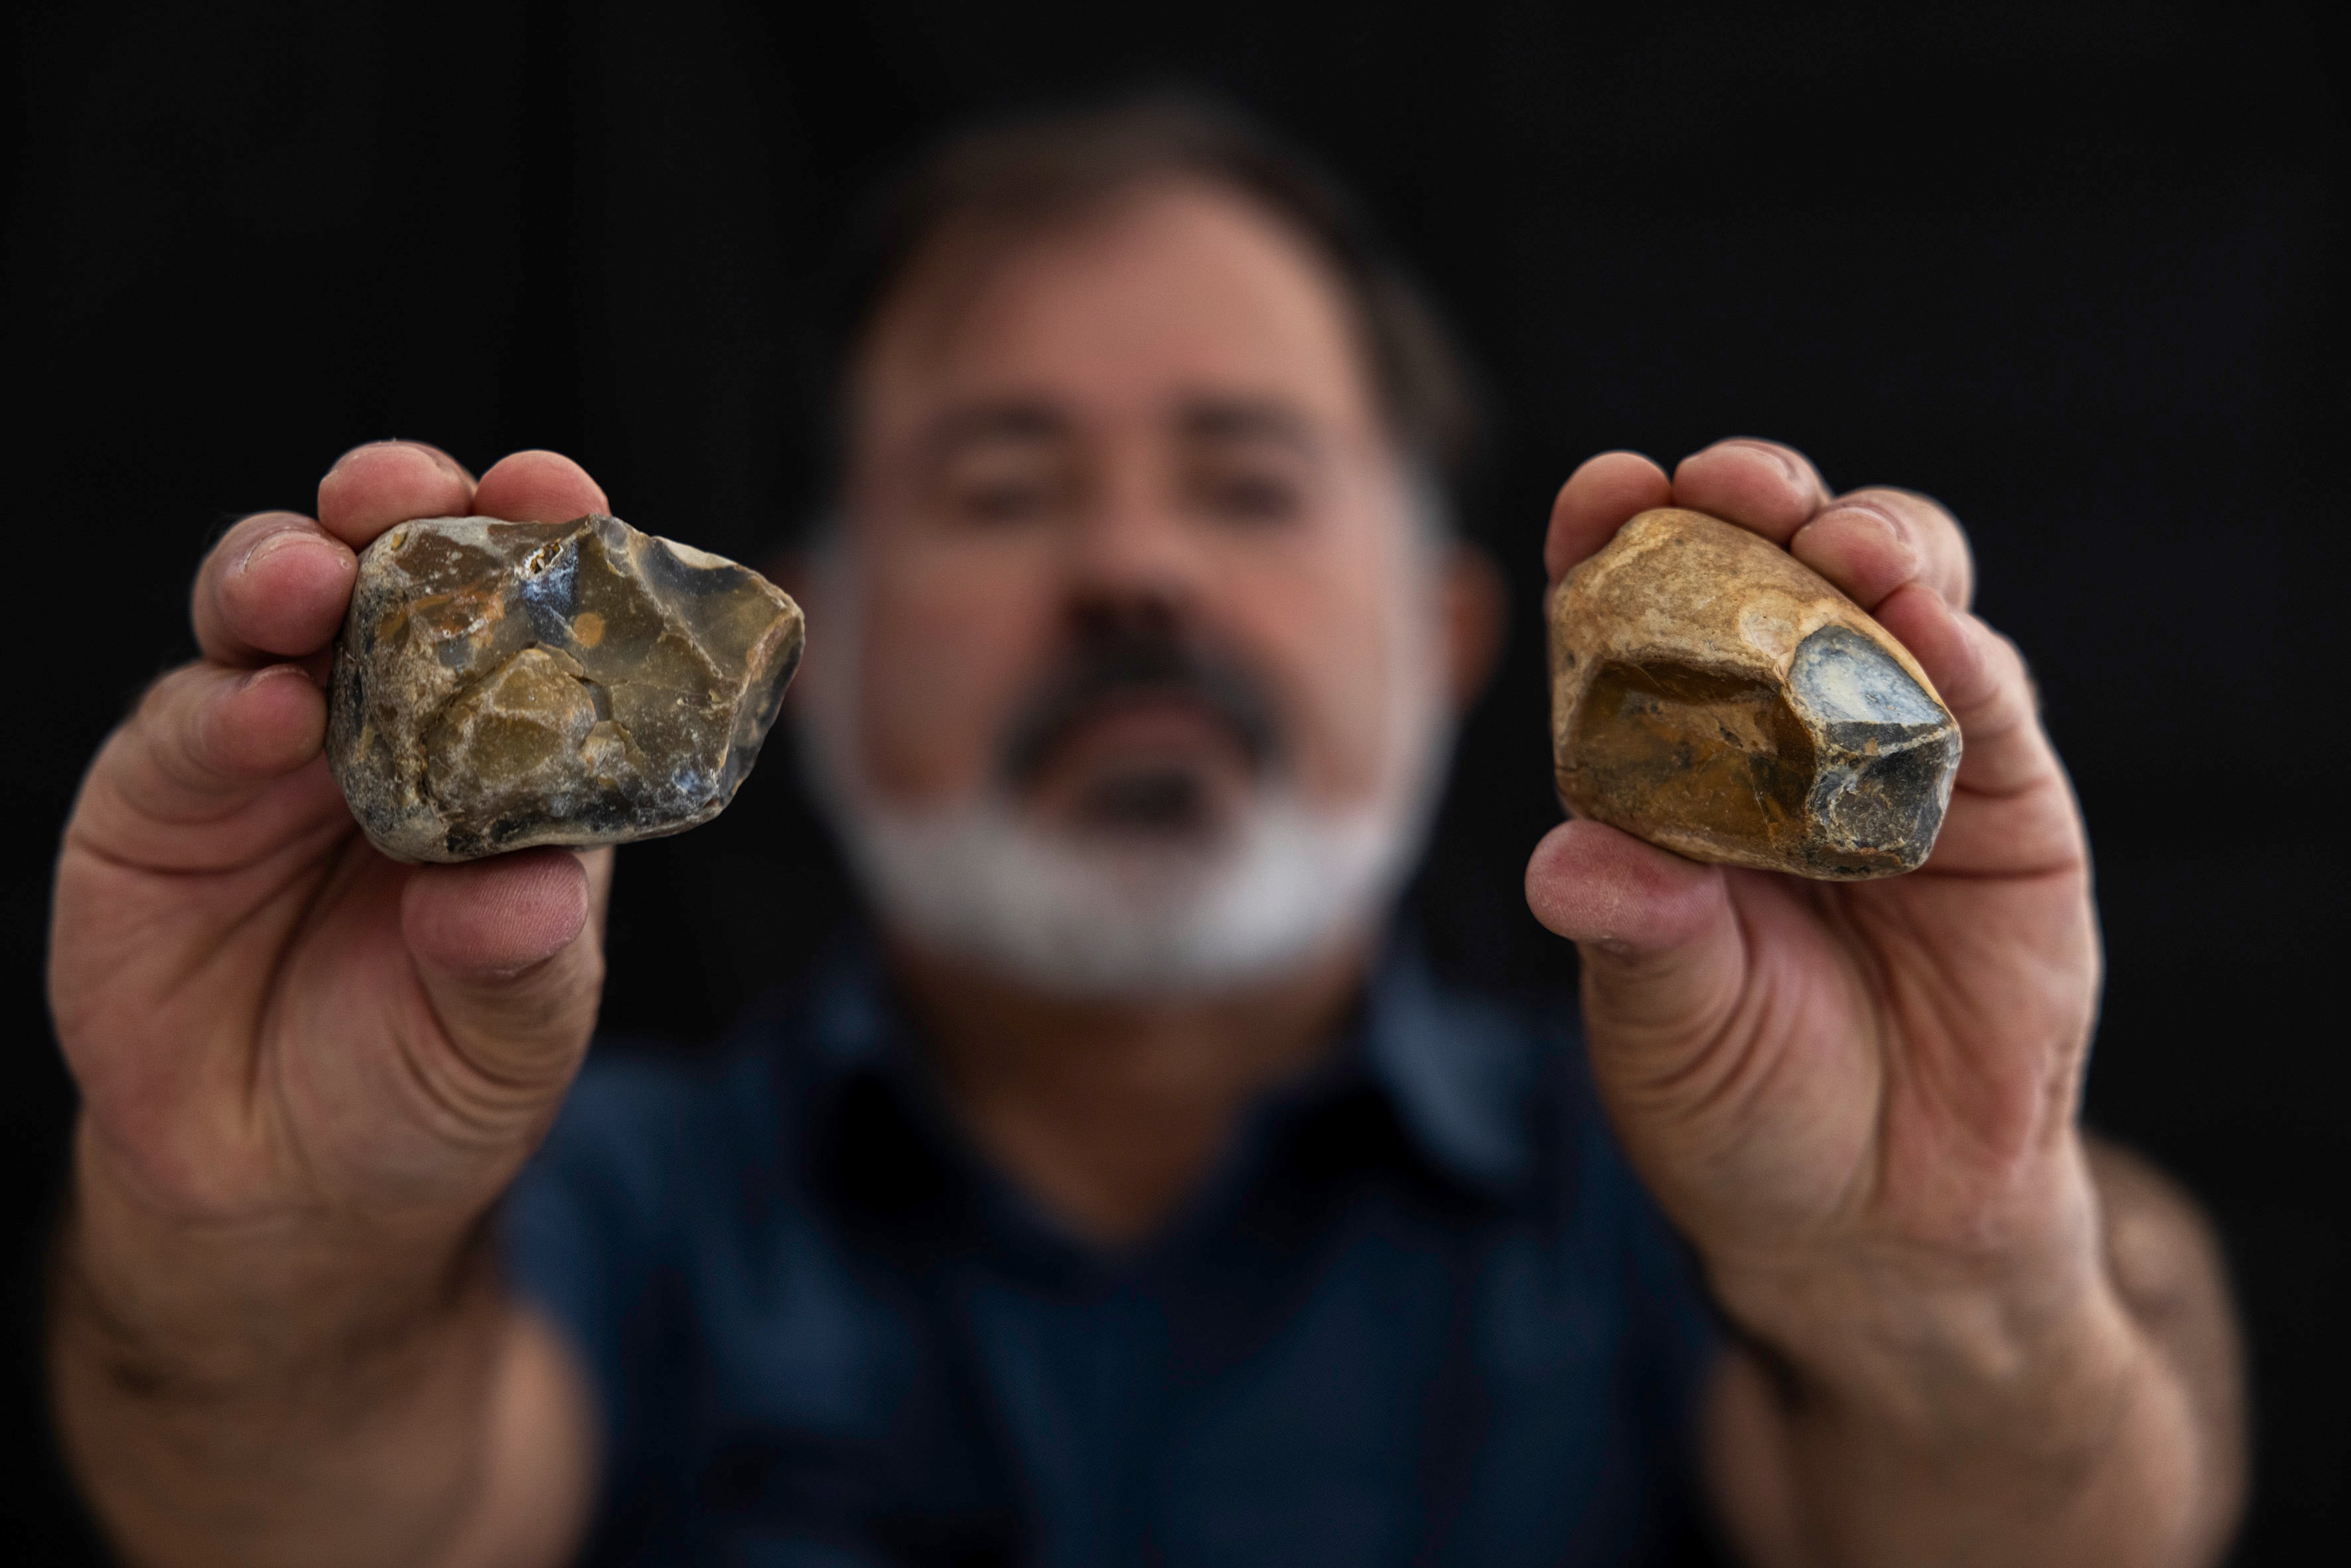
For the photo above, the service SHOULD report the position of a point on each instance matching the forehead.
(1167, 292)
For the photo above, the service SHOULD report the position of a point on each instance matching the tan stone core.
(1714, 696)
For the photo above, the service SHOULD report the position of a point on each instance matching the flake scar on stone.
(1713, 695)
(499, 685)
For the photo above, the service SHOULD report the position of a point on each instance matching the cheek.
(1327, 631)
(948, 649)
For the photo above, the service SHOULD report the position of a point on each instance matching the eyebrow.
(1227, 418)
(1216, 417)
(1013, 420)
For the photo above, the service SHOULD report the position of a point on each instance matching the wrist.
(1951, 1363)
(179, 1306)
(2027, 1342)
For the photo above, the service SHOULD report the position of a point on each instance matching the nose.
(1134, 564)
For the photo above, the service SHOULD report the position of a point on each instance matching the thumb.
(1660, 945)
(510, 953)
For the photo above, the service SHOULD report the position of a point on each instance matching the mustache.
(1122, 664)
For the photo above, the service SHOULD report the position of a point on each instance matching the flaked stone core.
(1722, 754)
(1712, 695)
(499, 685)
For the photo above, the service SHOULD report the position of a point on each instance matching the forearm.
(2090, 1417)
(288, 1394)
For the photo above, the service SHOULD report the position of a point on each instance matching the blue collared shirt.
(1422, 1313)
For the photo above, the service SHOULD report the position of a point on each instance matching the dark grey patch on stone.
(1888, 750)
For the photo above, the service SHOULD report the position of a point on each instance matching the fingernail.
(275, 544)
(447, 463)
(269, 672)
(1779, 458)
(362, 447)
(440, 458)
(1887, 524)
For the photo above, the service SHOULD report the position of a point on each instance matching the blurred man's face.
(1129, 569)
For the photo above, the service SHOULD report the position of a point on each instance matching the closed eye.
(1000, 501)
(1250, 496)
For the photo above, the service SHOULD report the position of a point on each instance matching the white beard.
(1097, 913)
(1097, 917)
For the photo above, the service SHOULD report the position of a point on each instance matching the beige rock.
(1714, 696)
(499, 685)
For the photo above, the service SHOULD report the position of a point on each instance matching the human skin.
(1860, 1101)
(1154, 417)
(307, 1072)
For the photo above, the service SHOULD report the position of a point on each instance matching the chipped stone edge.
(476, 528)
(1826, 605)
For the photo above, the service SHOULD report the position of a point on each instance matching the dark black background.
(2074, 269)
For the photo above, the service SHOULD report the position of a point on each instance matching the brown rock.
(1713, 694)
(499, 685)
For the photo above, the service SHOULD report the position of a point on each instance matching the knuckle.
(2006, 675)
(1888, 510)
(158, 705)
(2010, 655)
(1937, 537)
(1855, 527)
(1918, 514)
(218, 573)
(191, 739)
(193, 744)
(2020, 673)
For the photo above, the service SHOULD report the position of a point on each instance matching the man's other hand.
(1858, 1100)
(306, 1071)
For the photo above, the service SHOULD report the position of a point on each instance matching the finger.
(538, 488)
(203, 742)
(203, 733)
(599, 883)
(487, 921)
(274, 587)
(1599, 498)
(508, 952)
(1594, 884)
(1981, 678)
(1871, 542)
(1760, 484)
(374, 486)
(1659, 939)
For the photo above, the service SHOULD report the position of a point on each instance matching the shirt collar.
(1459, 1069)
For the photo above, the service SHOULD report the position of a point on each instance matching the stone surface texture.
(499, 685)
(1714, 696)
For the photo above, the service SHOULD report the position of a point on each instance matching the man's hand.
(1858, 1100)
(307, 1072)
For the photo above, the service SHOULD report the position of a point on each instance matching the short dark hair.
(1043, 168)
